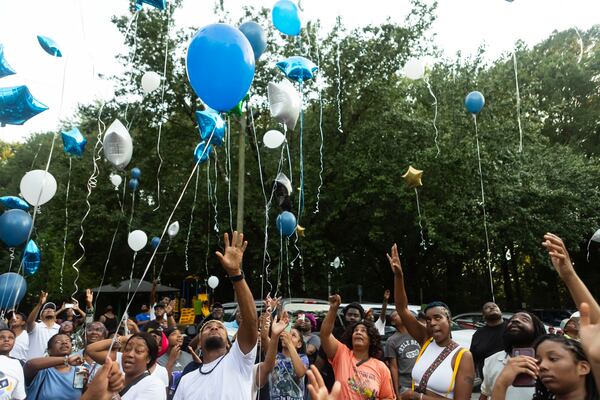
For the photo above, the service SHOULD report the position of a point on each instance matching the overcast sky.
(89, 41)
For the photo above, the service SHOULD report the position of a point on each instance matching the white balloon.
(213, 282)
(414, 69)
(273, 139)
(137, 240)
(38, 187)
(173, 229)
(118, 146)
(116, 180)
(284, 102)
(150, 82)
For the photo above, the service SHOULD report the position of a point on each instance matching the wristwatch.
(237, 278)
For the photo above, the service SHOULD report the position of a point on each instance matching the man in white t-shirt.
(12, 381)
(225, 371)
(18, 324)
(41, 332)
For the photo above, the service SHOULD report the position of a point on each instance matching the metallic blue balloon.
(136, 173)
(133, 184)
(10, 202)
(220, 66)
(49, 46)
(286, 17)
(256, 36)
(297, 68)
(12, 290)
(202, 152)
(5, 69)
(155, 242)
(73, 142)
(160, 4)
(14, 227)
(211, 123)
(286, 223)
(474, 102)
(17, 105)
(32, 257)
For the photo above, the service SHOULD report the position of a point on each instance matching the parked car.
(474, 320)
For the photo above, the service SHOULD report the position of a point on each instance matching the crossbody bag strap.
(438, 361)
(133, 383)
(427, 343)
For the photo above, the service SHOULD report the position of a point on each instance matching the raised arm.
(328, 342)
(416, 330)
(590, 340)
(386, 298)
(99, 350)
(562, 263)
(231, 261)
(33, 366)
(299, 367)
(267, 366)
(36, 310)
(171, 323)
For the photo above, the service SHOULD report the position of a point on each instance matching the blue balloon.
(202, 152)
(474, 102)
(12, 290)
(10, 202)
(5, 69)
(49, 46)
(155, 242)
(220, 66)
(73, 142)
(286, 17)
(160, 4)
(133, 184)
(17, 105)
(32, 258)
(297, 68)
(14, 227)
(210, 124)
(256, 36)
(136, 173)
(286, 223)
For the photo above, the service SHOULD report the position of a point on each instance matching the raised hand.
(279, 324)
(231, 261)
(515, 366)
(558, 255)
(386, 295)
(43, 297)
(89, 298)
(175, 353)
(317, 388)
(335, 300)
(589, 334)
(394, 260)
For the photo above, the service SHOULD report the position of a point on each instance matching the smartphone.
(523, 380)
(68, 305)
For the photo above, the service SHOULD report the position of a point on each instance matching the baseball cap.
(48, 305)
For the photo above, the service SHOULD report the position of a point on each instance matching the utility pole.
(241, 175)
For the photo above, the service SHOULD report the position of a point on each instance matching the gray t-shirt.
(184, 359)
(405, 350)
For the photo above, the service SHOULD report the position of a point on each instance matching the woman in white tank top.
(443, 369)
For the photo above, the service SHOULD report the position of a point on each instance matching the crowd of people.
(69, 354)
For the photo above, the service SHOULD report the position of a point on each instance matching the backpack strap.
(425, 345)
(455, 372)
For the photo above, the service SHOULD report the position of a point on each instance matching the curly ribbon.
(208, 218)
(215, 200)
(166, 227)
(189, 232)
(487, 238)
(514, 57)
(423, 244)
(580, 42)
(435, 114)
(162, 100)
(228, 173)
(339, 84)
(321, 136)
(62, 263)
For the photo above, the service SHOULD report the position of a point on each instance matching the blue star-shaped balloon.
(160, 4)
(210, 124)
(17, 105)
(73, 142)
(5, 69)
(49, 46)
(202, 152)
(32, 258)
(10, 202)
(297, 68)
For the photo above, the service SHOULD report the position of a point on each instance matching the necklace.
(213, 368)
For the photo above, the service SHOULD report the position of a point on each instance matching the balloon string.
(132, 208)
(487, 239)
(5, 291)
(162, 265)
(518, 101)
(289, 266)
(215, 201)
(162, 100)
(228, 172)
(36, 156)
(580, 42)
(423, 243)
(62, 264)
(131, 275)
(435, 114)
(321, 137)
(289, 159)
(339, 88)
(280, 269)
(301, 197)
(189, 232)
(208, 218)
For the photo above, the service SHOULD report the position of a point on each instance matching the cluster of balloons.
(134, 182)
(117, 144)
(73, 142)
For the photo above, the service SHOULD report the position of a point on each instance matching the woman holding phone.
(560, 368)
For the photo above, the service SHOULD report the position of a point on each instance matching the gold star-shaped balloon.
(300, 230)
(412, 177)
